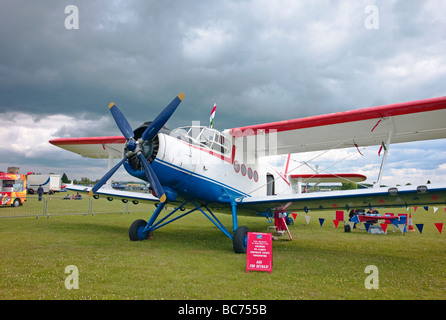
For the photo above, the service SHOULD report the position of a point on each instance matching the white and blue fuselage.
(202, 163)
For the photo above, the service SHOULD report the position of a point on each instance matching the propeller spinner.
(134, 147)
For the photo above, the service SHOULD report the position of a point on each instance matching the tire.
(16, 203)
(135, 230)
(240, 240)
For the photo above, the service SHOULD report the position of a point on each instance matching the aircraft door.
(269, 184)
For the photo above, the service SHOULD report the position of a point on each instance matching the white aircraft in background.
(201, 168)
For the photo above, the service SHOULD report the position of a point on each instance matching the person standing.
(40, 192)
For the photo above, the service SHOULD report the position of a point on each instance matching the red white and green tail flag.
(383, 145)
(211, 117)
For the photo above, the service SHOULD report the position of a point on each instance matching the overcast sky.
(260, 61)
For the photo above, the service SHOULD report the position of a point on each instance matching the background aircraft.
(203, 169)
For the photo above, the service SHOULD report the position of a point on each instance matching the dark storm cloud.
(300, 57)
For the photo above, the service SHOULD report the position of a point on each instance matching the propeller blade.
(153, 179)
(106, 177)
(121, 121)
(162, 118)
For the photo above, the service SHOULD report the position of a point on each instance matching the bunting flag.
(402, 227)
(336, 222)
(211, 117)
(321, 221)
(435, 209)
(426, 208)
(367, 226)
(307, 218)
(439, 227)
(420, 227)
(384, 227)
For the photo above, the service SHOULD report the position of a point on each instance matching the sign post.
(259, 253)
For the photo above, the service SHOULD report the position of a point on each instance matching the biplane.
(198, 168)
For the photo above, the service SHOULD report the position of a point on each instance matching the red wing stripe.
(87, 140)
(347, 116)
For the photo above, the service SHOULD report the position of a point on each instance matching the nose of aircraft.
(134, 147)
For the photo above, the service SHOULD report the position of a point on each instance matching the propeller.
(133, 147)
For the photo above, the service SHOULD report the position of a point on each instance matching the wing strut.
(383, 162)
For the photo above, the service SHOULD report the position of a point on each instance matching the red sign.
(259, 253)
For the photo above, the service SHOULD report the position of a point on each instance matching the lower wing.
(405, 196)
(116, 194)
(349, 199)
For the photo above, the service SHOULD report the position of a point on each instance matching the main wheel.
(240, 240)
(136, 230)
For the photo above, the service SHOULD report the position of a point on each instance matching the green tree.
(349, 186)
(65, 178)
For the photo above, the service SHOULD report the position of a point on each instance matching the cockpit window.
(203, 136)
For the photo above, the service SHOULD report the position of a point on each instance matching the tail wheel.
(136, 230)
(240, 240)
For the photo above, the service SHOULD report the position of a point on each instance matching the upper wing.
(409, 121)
(92, 147)
(350, 199)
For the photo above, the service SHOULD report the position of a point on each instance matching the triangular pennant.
(351, 224)
(435, 209)
(402, 227)
(367, 225)
(384, 227)
(321, 221)
(294, 215)
(426, 208)
(336, 222)
(415, 209)
(439, 226)
(420, 227)
(307, 218)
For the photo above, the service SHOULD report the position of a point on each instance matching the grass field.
(191, 259)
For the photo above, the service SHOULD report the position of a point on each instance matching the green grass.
(191, 259)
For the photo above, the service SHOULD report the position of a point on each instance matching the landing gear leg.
(240, 238)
